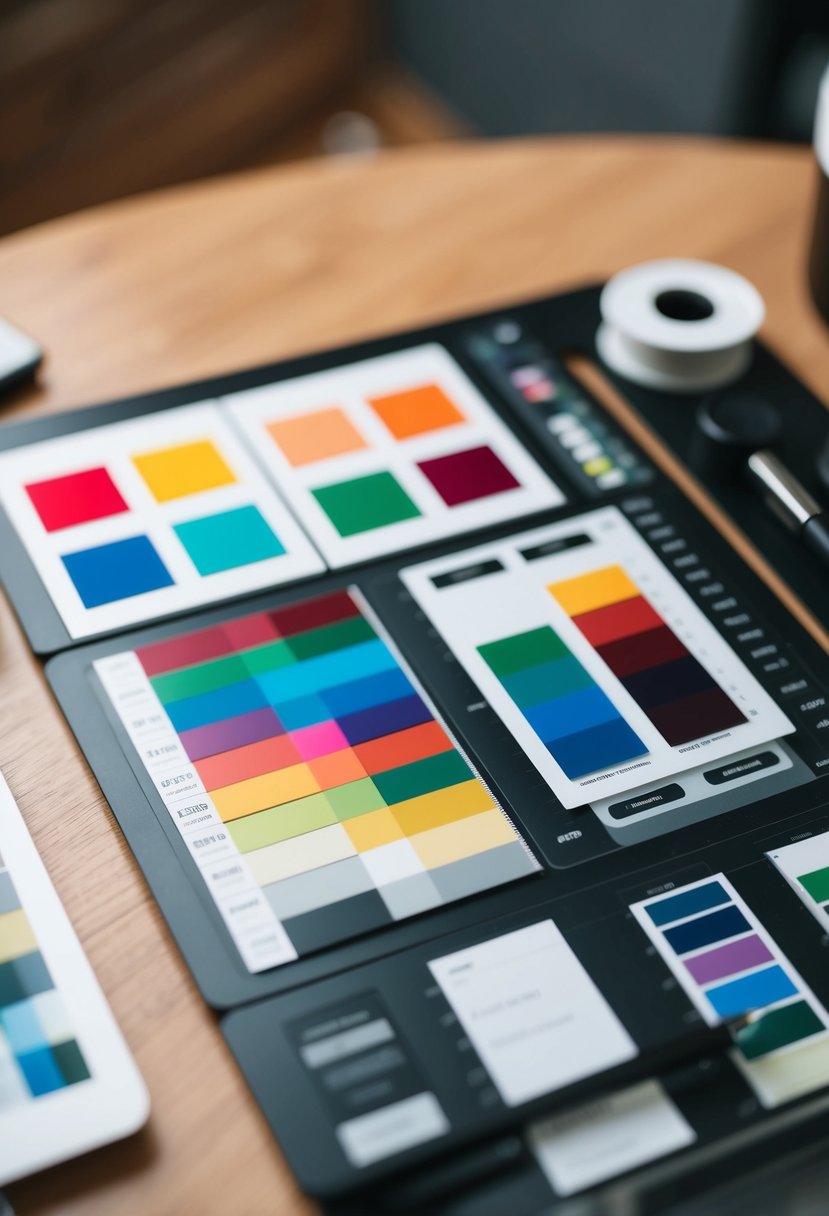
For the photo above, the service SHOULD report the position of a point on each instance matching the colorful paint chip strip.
(334, 785)
(679, 696)
(38, 1051)
(729, 965)
(576, 721)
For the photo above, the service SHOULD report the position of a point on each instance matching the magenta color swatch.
(728, 960)
(76, 498)
(464, 476)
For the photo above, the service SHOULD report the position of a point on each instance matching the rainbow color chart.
(38, 1050)
(593, 656)
(728, 964)
(313, 783)
(149, 516)
(390, 452)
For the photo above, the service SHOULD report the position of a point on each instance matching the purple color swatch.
(203, 741)
(728, 960)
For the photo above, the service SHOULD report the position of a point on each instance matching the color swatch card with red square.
(389, 453)
(141, 518)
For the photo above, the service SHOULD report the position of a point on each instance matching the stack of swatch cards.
(465, 761)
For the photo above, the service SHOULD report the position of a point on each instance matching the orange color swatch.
(416, 411)
(403, 747)
(319, 435)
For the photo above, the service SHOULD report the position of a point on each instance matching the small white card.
(67, 1081)
(532, 1012)
(608, 1137)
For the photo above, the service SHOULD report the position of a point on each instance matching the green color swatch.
(365, 503)
(523, 650)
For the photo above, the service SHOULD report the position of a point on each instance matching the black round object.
(730, 427)
(741, 420)
(680, 304)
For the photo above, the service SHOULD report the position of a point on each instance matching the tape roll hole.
(679, 304)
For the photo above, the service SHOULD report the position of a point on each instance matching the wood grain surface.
(213, 278)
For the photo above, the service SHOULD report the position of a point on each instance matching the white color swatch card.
(602, 1139)
(390, 452)
(532, 1012)
(67, 1081)
(594, 657)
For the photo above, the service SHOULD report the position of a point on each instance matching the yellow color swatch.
(442, 806)
(597, 589)
(16, 935)
(373, 830)
(462, 839)
(187, 468)
(260, 793)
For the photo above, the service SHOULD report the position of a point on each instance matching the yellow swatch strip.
(594, 590)
(442, 806)
(373, 830)
(454, 841)
(16, 935)
(260, 793)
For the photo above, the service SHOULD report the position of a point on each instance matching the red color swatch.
(76, 498)
(464, 476)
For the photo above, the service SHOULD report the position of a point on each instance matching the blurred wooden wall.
(105, 98)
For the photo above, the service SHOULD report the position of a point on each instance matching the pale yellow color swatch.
(300, 854)
(16, 935)
(454, 841)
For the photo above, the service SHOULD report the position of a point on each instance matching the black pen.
(472, 1165)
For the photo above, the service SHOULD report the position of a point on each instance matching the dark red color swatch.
(464, 476)
(76, 498)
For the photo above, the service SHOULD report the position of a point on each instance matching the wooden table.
(230, 273)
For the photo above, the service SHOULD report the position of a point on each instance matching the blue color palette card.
(67, 1081)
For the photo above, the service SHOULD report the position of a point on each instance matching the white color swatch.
(608, 1137)
(531, 1011)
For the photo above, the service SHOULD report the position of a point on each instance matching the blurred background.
(106, 98)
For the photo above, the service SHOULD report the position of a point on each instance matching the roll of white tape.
(678, 324)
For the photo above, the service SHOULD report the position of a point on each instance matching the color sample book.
(728, 965)
(67, 1082)
(389, 453)
(593, 656)
(805, 866)
(138, 519)
(312, 781)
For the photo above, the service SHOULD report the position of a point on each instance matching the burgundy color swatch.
(76, 498)
(464, 476)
